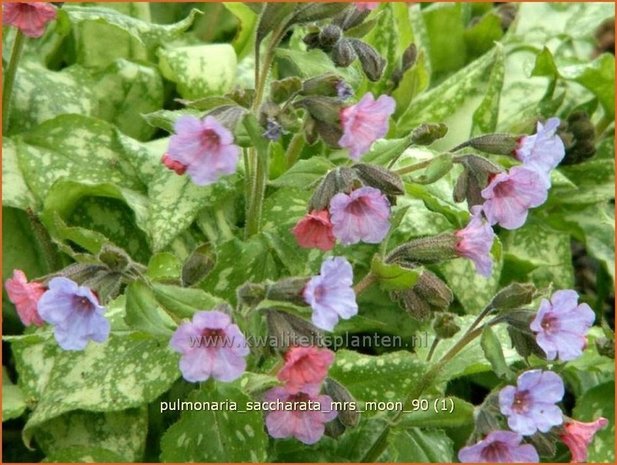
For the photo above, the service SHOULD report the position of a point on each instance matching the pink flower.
(499, 447)
(314, 230)
(362, 215)
(204, 147)
(305, 369)
(366, 6)
(544, 150)
(510, 195)
(173, 165)
(475, 242)
(364, 123)
(31, 18)
(25, 296)
(211, 346)
(302, 416)
(562, 324)
(577, 435)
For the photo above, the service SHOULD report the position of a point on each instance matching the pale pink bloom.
(364, 123)
(363, 215)
(509, 196)
(205, 147)
(475, 242)
(25, 296)
(31, 18)
(366, 6)
(542, 151)
(577, 435)
(314, 230)
(305, 369)
(306, 422)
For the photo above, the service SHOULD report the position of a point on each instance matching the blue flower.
(75, 313)
(542, 151)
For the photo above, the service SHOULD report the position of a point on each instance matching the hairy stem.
(294, 148)
(9, 78)
(364, 283)
(414, 167)
(434, 345)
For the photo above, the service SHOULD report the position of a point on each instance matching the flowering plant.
(306, 232)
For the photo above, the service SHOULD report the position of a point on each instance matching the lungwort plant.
(306, 232)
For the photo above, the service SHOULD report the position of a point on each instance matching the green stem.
(414, 167)
(365, 282)
(260, 178)
(47, 247)
(434, 345)
(9, 78)
(294, 148)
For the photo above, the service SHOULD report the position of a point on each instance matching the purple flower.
(299, 415)
(499, 447)
(364, 123)
(343, 90)
(530, 406)
(273, 130)
(75, 313)
(362, 215)
(561, 325)
(211, 346)
(205, 147)
(542, 151)
(330, 294)
(510, 195)
(475, 242)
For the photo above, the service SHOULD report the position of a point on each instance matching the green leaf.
(125, 90)
(392, 276)
(124, 372)
(442, 412)
(199, 70)
(91, 241)
(183, 302)
(415, 81)
(420, 446)
(444, 23)
(312, 63)
(144, 313)
(15, 191)
(303, 173)
(87, 454)
(164, 266)
(13, 400)
(120, 433)
(485, 116)
(480, 37)
(243, 42)
(545, 65)
(216, 435)
(494, 353)
(383, 378)
(599, 402)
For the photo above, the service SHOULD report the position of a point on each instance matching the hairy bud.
(499, 144)
(328, 85)
(197, 266)
(445, 327)
(287, 290)
(343, 53)
(283, 89)
(324, 109)
(349, 416)
(372, 63)
(340, 179)
(606, 347)
(329, 36)
(380, 178)
(288, 330)
(579, 136)
(427, 133)
(429, 294)
(251, 294)
(512, 296)
(426, 250)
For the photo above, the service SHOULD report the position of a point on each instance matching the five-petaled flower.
(364, 123)
(561, 325)
(302, 416)
(314, 230)
(542, 151)
(577, 435)
(31, 18)
(25, 296)
(305, 369)
(330, 294)
(211, 346)
(204, 148)
(75, 313)
(499, 447)
(531, 405)
(509, 196)
(475, 242)
(363, 215)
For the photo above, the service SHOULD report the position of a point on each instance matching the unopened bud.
(338, 180)
(372, 63)
(114, 257)
(287, 330)
(544, 443)
(515, 295)
(348, 416)
(287, 290)
(106, 284)
(431, 249)
(251, 294)
(427, 133)
(311, 40)
(606, 347)
(409, 301)
(197, 266)
(229, 115)
(343, 53)
(324, 109)
(429, 294)
(350, 18)
(409, 57)
(329, 36)
(445, 326)
(524, 342)
(499, 144)
(579, 136)
(79, 272)
(283, 89)
(380, 178)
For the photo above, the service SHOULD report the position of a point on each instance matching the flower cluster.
(211, 347)
(304, 371)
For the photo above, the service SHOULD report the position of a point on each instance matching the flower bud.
(78, 272)
(198, 264)
(544, 443)
(348, 416)
(429, 294)
(514, 295)
(372, 64)
(409, 59)
(444, 325)
(323, 109)
(288, 330)
(311, 40)
(606, 347)
(350, 18)
(427, 133)
(499, 144)
(329, 36)
(380, 178)
(473, 179)
(579, 138)
(340, 179)
(522, 338)
(430, 249)
(287, 290)
(114, 257)
(251, 294)
(327, 85)
(343, 53)
(283, 89)
(106, 284)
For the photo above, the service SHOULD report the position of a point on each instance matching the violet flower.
(499, 447)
